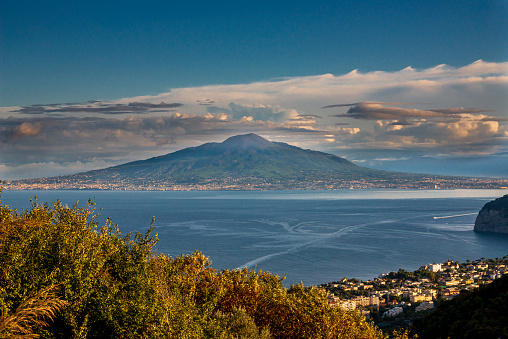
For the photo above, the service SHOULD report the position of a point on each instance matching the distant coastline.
(248, 163)
(258, 184)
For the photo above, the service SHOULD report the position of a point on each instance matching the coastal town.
(254, 183)
(248, 162)
(395, 299)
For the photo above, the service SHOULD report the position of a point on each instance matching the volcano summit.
(246, 162)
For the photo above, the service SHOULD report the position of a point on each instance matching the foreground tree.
(62, 276)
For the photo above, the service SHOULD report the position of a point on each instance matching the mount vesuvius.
(246, 162)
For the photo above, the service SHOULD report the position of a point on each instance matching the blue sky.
(190, 54)
(61, 51)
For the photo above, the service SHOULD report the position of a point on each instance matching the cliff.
(493, 217)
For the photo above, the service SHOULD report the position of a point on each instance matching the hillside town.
(397, 298)
(249, 162)
(87, 182)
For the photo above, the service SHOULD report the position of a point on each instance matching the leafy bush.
(104, 277)
(103, 284)
(237, 324)
(500, 205)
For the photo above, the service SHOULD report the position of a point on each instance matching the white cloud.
(446, 109)
(45, 169)
(261, 112)
(468, 134)
(348, 130)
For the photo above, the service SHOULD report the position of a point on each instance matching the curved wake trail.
(318, 239)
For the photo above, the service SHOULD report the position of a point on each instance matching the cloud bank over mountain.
(438, 111)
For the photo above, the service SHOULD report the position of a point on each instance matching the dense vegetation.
(405, 275)
(64, 276)
(482, 313)
(500, 204)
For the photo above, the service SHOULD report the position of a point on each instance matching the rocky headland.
(493, 217)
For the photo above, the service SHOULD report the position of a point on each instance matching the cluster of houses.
(391, 296)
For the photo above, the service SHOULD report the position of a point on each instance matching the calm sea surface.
(312, 236)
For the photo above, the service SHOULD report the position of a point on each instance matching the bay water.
(312, 237)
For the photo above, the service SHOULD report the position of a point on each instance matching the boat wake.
(453, 216)
(323, 237)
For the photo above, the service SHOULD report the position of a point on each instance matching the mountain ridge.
(256, 152)
(246, 162)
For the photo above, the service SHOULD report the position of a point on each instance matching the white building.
(425, 305)
(435, 267)
(347, 305)
(420, 297)
(374, 301)
(393, 312)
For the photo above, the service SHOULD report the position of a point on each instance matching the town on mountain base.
(397, 298)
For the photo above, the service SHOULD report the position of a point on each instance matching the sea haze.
(311, 236)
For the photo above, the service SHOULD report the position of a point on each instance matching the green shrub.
(111, 285)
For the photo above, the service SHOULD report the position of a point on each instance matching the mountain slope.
(246, 162)
(239, 156)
